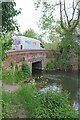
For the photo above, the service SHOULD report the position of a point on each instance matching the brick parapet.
(29, 56)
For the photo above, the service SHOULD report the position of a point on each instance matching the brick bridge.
(34, 58)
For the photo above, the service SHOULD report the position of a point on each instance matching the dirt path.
(10, 88)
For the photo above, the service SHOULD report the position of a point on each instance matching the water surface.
(69, 81)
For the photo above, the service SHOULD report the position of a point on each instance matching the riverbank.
(24, 99)
(21, 95)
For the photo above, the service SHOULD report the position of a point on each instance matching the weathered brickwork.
(28, 56)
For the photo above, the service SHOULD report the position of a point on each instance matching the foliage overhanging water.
(69, 81)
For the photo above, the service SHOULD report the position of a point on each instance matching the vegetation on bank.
(38, 104)
(61, 64)
(62, 33)
(15, 74)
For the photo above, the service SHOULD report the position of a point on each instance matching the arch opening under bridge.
(34, 58)
(37, 65)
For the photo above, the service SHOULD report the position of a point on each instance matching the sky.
(29, 16)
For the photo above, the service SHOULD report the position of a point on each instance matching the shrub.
(8, 76)
(61, 63)
(4, 110)
(51, 64)
(50, 104)
(26, 70)
(13, 76)
(54, 104)
(27, 97)
(10, 105)
(23, 73)
(47, 104)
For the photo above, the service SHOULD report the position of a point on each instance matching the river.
(69, 81)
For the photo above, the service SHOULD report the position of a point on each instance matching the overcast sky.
(29, 16)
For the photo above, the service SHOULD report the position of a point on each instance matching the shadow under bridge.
(37, 65)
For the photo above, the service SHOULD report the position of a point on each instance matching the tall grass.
(38, 104)
(14, 76)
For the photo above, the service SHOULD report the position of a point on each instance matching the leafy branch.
(71, 24)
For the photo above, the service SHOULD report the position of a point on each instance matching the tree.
(6, 44)
(69, 42)
(72, 23)
(65, 27)
(9, 25)
(8, 14)
(48, 23)
(30, 33)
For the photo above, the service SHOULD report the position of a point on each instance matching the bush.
(50, 104)
(13, 76)
(23, 73)
(27, 97)
(10, 105)
(54, 104)
(38, 104)
(51, 65)
(8, 76)
(61, 63)
(25, 69)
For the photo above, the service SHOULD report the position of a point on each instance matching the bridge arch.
(37, 65)
(34, 58)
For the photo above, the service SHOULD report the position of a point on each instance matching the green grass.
(8, 76)
(11, 76)
(11, 105)
(50, 104)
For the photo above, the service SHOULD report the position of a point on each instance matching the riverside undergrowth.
(38, 104)
(15, 74)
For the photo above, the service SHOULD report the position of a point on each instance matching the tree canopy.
(30, 33)
(67, 20)
(9, 25)
(63, 27)
(8, 14)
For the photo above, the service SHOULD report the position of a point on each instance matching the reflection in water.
(76, 105)
(69, 81)
(53, 87)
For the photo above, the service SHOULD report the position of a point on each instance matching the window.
(16, 42)
(21, 47)
(41, 45)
